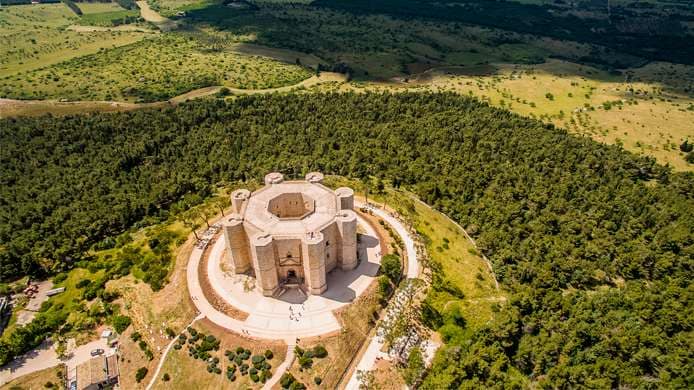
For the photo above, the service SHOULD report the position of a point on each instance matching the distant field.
(34, 36)
(152, 70)
(645, 114)
(97, 8)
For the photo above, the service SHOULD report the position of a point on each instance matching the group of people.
(296, 315)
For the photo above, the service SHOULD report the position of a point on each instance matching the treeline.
(670, 41)
(594, 244)
(71, 4)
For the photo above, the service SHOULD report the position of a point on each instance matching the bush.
(268, 354)
(59, 278)
(141, 374)
(120, 323)
(391, 267)
(83, 283)
(319, 351)
(170, 332)
(166, 377)
(136, 336)
(305, 361)
(317, 380)
(256, 359)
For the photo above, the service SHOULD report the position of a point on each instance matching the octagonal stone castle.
(291, 233)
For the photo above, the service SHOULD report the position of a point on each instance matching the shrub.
(305, 361)
(62, 276)
(256, 359)
(83, 283)
(319, 351)
(120, 323)
(391, 266)
(268, 354)
(136, 336)
(166, 377)
(140, 374)
(170, 332)
(317, 380)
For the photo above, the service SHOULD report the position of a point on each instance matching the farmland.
(37, 35)
(151, 70)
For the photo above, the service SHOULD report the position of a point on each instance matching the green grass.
(37, 35)
(98, 8)
(448, 248)
(152, 70)
(112, 18)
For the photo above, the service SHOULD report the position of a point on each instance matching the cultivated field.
(642, 109)
(152, 70)
(35, 36)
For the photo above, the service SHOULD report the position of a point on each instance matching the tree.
(140, 374)
(415, 366)
(686, 147)
(120, 323)
(391, 267)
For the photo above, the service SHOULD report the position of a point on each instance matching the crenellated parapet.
(292, 233)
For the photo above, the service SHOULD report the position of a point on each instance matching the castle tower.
(291, 233)
(238, 198)
(313, 248)
(345, 198)
(274, 178)
(237, 244)
(347, 225)
(263, 254)
(315, 178)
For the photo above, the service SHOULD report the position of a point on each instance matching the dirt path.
(150, 15)
(122, 27)
(13, 108)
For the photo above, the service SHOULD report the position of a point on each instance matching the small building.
(97, 373)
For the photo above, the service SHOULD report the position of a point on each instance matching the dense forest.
(660, 37)
(594, 245)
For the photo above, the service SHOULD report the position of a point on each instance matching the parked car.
(97, 352)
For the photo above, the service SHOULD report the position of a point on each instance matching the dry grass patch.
(188, 373)
(37, 380)
(357, 320)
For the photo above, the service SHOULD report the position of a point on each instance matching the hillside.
(593, 243)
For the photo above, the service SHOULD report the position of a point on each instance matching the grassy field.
(110, 18)
(98, 8)
(35, 36)
(447, 247)
(37, 380)
(645, 113)
(152, 70)
(188, 373)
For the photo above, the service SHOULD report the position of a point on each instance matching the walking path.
(152, 16)
(282, 368)
(166, 352)
(290, 315)
(373, 350)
